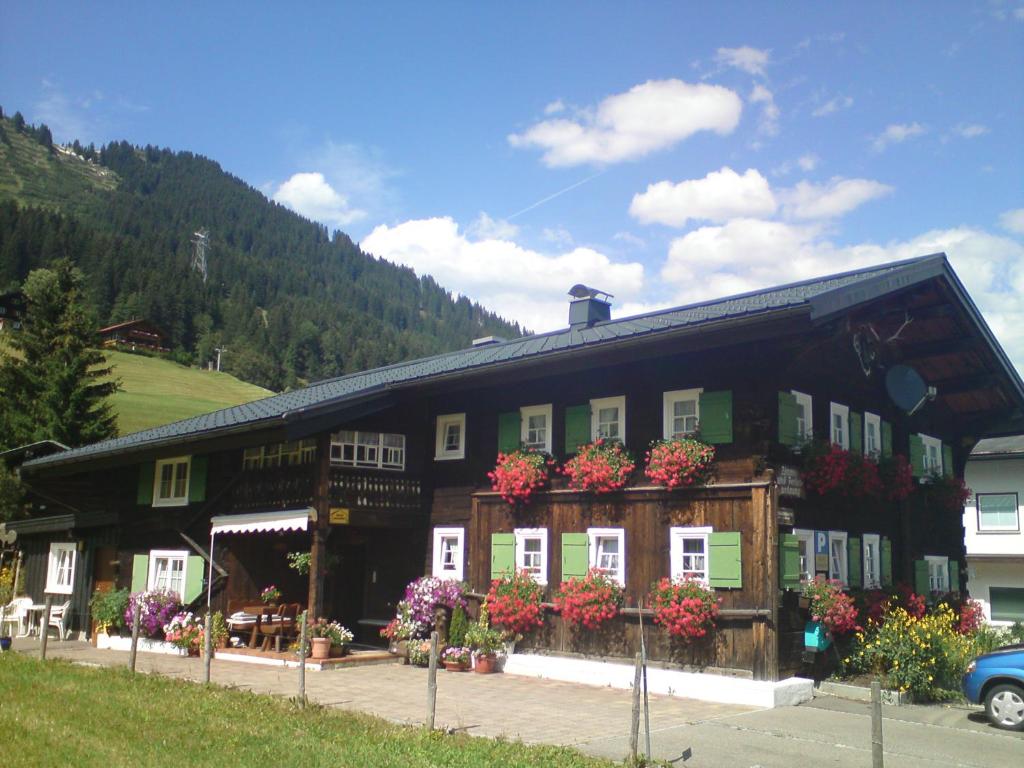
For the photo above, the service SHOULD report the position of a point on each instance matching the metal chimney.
(588, 306)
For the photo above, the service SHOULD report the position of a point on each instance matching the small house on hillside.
(12, 311)
(134, 335)
(382, 476)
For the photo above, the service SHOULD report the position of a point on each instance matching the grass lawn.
(157, 391)
(53, 713)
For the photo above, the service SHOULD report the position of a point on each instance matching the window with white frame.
(998, 512)
(170, 482)
(872, 434)
(688, 553)
(60, 568)
(608, 418)
(681, 413)
(938, 573)
(839, 425)
(451, 437)
(448, 546)
(608, 552)
(804, 415)
(837, 565)
(532, 552)
(872, 561)
(378, 450)
(535, 427)
(932, 454)
(167, 570)
(805, 546)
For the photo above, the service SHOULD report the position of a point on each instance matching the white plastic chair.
(16, 614)
(58, 617)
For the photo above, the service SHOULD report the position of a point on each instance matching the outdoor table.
(35, 608)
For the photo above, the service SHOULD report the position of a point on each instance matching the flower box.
(816, 636)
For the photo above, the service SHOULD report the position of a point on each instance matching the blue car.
(997, 680)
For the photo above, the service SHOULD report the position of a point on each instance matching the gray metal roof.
(999, 446)
(270, 411)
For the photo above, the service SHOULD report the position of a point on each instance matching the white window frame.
(805, 537)
(669, 399)
(872, 420)
(530, 534)
(928, 442)
(872, 575)
(347, 453)
(807, 402)
(1015, 528)
(61, 581)
(594, 535)
(172, 501)
(940, 565)
(607, 402)
(524, 421)
(169, 555)
(843, 411)
(679, 534)
(441, 453)
(438, 570)
(843, 573)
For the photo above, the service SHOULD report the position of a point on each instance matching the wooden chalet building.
(382, 475)
(12, 311)
(133, 335)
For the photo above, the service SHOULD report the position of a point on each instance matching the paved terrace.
(825, 732)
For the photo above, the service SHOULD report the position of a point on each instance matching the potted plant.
(589, 601)
(400, 630)
(832, 612)
(185, 631)
(485, 642)
(270, 595)
(324, 634)
(419, 653)
(687, 608)
(456, 658)
(513, 603)
(218, 631)
(156, 609)
(107, 610)
(602, 466)
(519, 474)
(679, 463)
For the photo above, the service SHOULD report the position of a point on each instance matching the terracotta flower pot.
(321, 647)
(456, 666)
(486, 664)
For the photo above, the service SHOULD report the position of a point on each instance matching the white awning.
(260, 522)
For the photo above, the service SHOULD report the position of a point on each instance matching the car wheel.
(1004, 706)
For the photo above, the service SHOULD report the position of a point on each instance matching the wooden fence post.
(302, 661)
(877, 755)
(136, 618)
(634, 725)
(432, 682)
(44, 628)
(207, 646)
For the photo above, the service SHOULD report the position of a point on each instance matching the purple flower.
(156, 608)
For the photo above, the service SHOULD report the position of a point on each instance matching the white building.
(992, 524)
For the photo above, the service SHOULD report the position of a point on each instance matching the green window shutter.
(856, 432)
(854, 562)
(886, 439)
(921, 584)
(954, 575)
(195, 568)
(917, 456)
(788, 419)
(716, 416)
(577, 427)
(197, 479)
(146, 475)
(886, 557)
(789, 561)
(503, 554)
(575, 555)
(724, 561)
(509, 434)
(140, 573)
(947, 460)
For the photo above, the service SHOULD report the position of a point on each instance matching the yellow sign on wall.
(339, 515)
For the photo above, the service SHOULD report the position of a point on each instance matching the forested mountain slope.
(289, 301)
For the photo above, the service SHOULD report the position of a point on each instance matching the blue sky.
(664, 152)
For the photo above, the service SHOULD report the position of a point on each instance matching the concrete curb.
(860, 693)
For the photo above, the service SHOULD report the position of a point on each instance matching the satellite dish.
(907, 389)
(7, 537)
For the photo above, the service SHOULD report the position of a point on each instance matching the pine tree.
(56, 383)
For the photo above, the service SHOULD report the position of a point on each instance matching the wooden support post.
(634, 726)
(207, 646)
(432, 682)
(302, 660)
(44, 628)
(877, 754)
(136, 618)
(321, 526)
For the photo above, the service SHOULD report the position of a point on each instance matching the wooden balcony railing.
(373, 491)
(279, 487)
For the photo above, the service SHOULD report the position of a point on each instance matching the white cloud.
(750, 60)
(836, 197)
(554, 107)
(310, 195)
(1013, 221)
(486, 228)
(970, 130)
(720, 195)
(626, 126)
(769, 123)
(833, 105)
(559, 236)
(630, 239)
(808, 162)
(517, 282)
(748, 254)
(896, 134)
